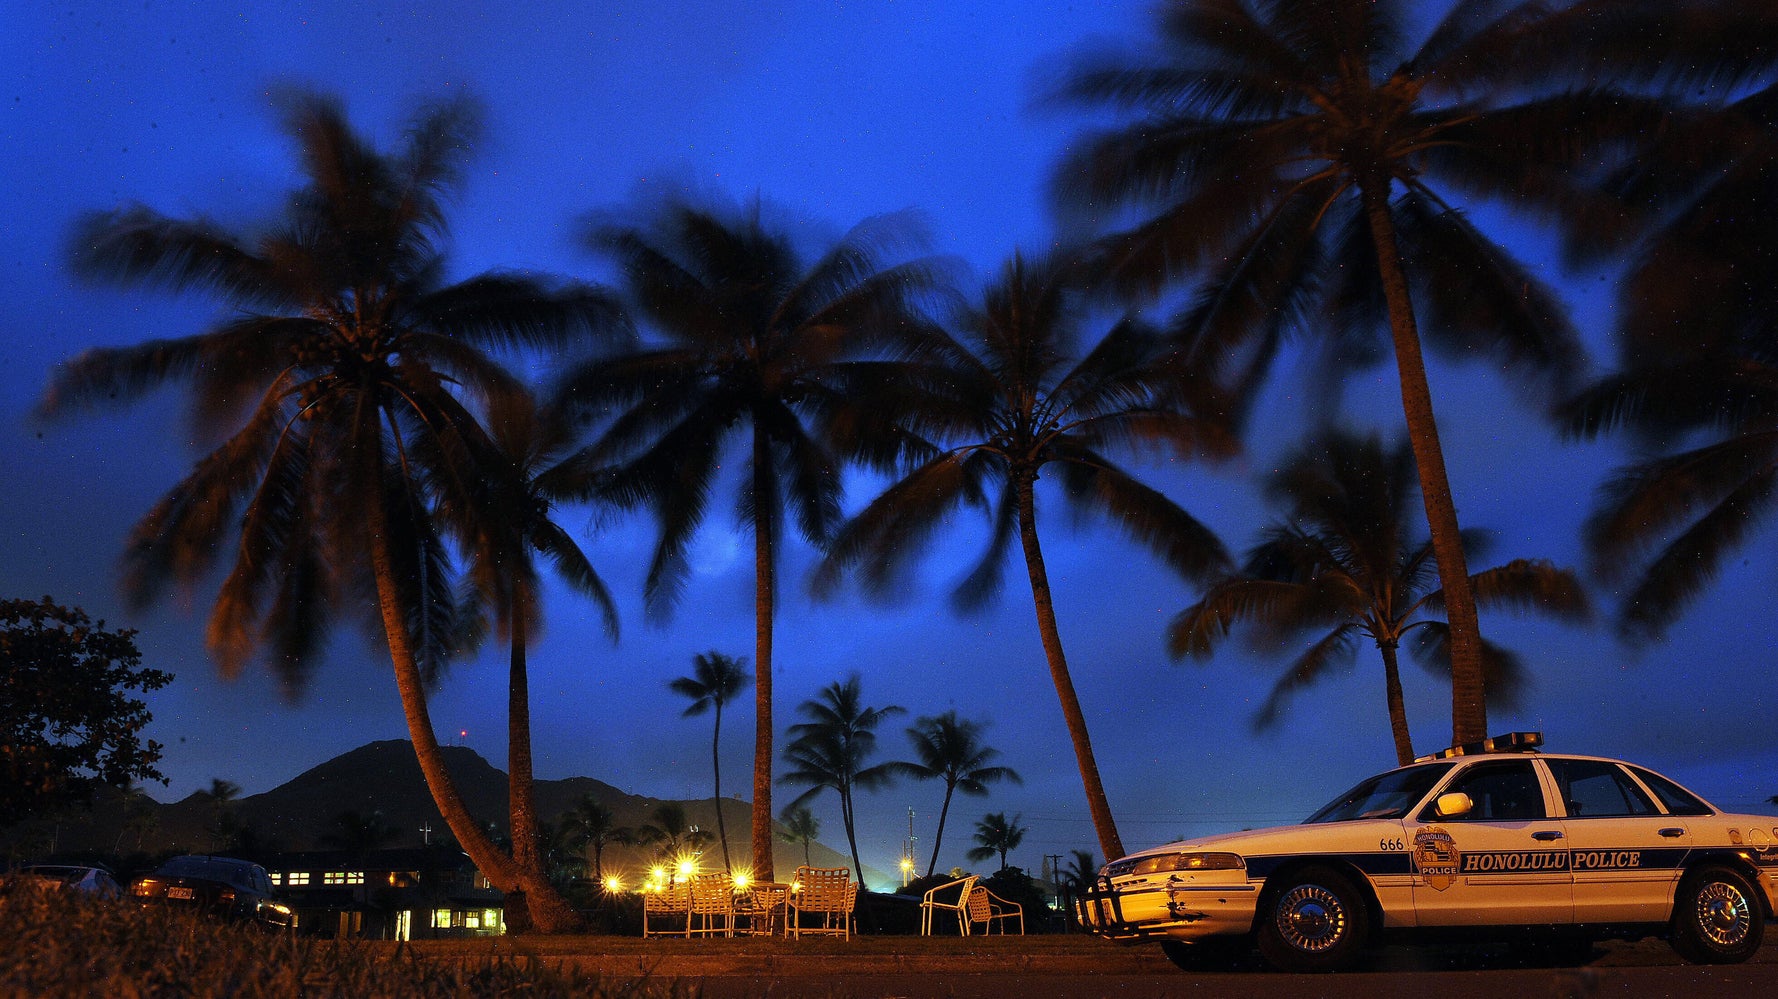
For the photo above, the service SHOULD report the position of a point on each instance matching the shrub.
(67, 944)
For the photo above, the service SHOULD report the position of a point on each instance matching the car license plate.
(177, 892)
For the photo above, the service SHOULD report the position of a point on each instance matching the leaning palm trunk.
(1469, 709)
(764, 602)
(1100, 809)
(938, 837)
(1398, 710)
(494, 865)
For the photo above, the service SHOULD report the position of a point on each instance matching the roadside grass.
(62, 944)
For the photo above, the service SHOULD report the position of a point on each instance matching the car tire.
(1212, 954)
(1717, 917)
(1315, 921)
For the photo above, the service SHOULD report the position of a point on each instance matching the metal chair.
(827, 892)
(987, 908)
(712, 906)
(672, 903)
(931, 906)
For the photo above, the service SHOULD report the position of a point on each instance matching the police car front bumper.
(1140, 908)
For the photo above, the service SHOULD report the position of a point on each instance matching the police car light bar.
(1511, 742)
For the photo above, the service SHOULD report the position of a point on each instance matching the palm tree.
(830, 749)
(996, 835)
(800, 826)
(715, 682)
(1698, 382)
(592, 826)
(757, 345)
(670, 833)
(1293, 149)
(531, 446)
(1015, 401)
(357, 833)
(1345, 565)
(344, 376)
(950, 749)
(223, 825)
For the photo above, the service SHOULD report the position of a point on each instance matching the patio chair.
(826, 892)
(988, 908)
(712, 907)
(669, 905)
(763, 904)
(930, 905)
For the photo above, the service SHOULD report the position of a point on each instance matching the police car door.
(1623, 852)
(1502, 862)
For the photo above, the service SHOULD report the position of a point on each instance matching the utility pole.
(907, 852)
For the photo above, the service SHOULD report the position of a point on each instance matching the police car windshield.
(1385, 796)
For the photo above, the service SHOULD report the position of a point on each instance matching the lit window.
(277, 879)
(299, 878)
(472, 919)
(441, 919)
(333, 878)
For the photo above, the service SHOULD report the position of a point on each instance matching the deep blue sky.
(833, 112)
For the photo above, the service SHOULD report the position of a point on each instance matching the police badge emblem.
(1435, 857)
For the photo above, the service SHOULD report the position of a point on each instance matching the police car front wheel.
(1316, 921)
(1717, 917)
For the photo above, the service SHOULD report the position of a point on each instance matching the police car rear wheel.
(1717, 917)
(1316, 922)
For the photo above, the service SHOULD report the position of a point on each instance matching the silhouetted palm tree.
(670, 833)
(592, 826)
(1306, 155)
(1013, 401)
(1346, 565)
(358, 833)
(950, 749)
(997, 835)
(530, 445)
(341, 385)
(1698, 384)
(800, 826)
(715, 682)
(224, 827)
(759, 345)
(830, 749)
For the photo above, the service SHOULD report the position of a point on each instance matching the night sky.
(831, 112)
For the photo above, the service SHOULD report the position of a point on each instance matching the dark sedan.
(223, 887)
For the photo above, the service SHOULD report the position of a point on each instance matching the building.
(415, 893)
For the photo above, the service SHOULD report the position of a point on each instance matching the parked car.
(223, 887)
(1490, 837)
(96, 881)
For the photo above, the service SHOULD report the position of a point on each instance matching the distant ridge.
(383, 778)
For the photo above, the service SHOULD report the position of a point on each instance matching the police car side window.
(1502, 790)
(1598, 789)
(1678, 800)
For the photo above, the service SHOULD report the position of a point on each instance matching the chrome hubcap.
(1311, 918)
(1723, 914)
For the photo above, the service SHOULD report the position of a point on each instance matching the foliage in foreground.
(70, 945)
(66, 717)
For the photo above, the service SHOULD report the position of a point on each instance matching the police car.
(1493, 835)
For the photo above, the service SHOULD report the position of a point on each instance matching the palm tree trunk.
(848, 817)
(939, 836)
(764, 602)
(716, 766)
(1398, 711)
(1024, 482)
(1469, 709)
(546, 910)
(498, 868)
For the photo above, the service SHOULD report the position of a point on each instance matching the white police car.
(1492, 835)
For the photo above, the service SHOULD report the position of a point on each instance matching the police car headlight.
(1189, 862)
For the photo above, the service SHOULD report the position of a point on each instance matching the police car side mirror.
(1453, 806)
